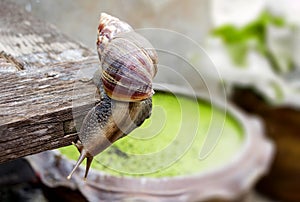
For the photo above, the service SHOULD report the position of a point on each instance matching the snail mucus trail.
(128, 63)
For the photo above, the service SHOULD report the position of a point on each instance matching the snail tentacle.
(83, 155)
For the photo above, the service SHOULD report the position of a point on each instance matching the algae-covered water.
(170, 142)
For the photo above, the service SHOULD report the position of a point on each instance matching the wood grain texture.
(39, 101)
(33, 42)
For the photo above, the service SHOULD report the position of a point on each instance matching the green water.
(169, 143)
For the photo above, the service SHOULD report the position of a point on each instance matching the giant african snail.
(129, 63)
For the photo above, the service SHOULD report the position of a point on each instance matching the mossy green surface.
(170, 142)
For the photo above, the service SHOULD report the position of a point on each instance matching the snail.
(129, 64)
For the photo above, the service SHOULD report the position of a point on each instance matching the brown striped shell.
(128, 61)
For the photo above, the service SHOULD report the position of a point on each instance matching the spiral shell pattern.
(128, 61)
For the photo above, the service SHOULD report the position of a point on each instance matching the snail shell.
(128, 61)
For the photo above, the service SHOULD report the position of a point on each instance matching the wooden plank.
(37, 111)
(32, 42)
(43, 84)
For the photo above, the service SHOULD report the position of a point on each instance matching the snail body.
(128, 63)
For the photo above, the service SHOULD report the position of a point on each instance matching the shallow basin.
(191, 149)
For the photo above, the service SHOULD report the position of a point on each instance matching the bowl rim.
(228, 180)
(254, 141)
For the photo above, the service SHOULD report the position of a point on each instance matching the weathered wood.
(32, 42)
(40, 89)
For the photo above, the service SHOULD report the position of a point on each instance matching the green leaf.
(237, 39)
